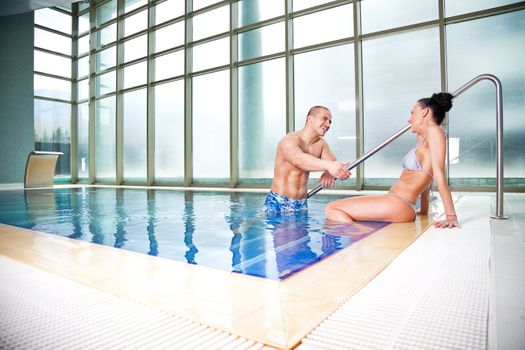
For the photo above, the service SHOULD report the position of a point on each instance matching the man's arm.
(327, 152)
(326, 179)
(295, 155)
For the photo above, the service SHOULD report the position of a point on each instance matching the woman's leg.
(370, 208)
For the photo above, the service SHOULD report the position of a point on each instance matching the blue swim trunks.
(276, 203)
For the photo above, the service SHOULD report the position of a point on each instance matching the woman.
(423, 164)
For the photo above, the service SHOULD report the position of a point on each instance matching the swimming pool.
(222, 230)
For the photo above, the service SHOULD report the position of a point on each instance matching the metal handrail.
(499, 141)
(366, 155)
(499, 136)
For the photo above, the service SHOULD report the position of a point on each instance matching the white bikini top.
(410, 161)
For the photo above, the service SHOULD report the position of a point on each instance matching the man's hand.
(339, 170)
(326, 180)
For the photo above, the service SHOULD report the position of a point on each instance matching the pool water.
(223, 230)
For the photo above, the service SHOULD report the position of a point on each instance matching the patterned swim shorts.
(276, 203)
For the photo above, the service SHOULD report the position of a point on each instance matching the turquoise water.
(223, 230)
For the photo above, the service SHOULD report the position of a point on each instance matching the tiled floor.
(276, 313)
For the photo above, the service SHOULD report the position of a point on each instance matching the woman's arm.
(425, 200)
(437, 147)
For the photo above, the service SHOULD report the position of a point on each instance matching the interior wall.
(16, 95)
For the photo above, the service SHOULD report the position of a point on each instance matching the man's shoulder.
(291, 137)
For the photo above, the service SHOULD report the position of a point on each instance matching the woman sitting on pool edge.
(423, 164)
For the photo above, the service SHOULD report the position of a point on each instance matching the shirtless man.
(299, 153)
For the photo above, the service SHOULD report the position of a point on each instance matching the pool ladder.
(499, 141)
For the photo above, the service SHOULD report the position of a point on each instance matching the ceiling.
(13, 7)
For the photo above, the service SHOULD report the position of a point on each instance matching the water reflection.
(216, 229)
(189, 227)
(152, 220)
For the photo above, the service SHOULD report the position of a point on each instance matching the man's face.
(321, 121)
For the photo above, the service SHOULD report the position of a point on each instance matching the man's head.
(320, 118)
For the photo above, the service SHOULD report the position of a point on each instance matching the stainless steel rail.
(367, 155)
(499, 136)
(499, 141)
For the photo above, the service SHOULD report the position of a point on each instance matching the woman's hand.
(451, 221)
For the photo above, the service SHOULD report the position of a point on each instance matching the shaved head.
(315, 110)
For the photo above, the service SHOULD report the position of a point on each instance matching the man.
(299, 153)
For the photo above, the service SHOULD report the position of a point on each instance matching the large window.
(262, 122)
(200, 92)
(169, 132)
(53, 85)
(478, 47)
(211, 128)
(390, 89)
(325, 77)
(135, 127)
(105, 140)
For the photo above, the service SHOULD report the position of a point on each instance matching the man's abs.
(292, 184)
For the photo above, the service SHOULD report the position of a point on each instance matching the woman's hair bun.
(442, 100)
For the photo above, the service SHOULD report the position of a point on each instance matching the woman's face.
(418, 118)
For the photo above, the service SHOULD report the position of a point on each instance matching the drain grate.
(433, 296)
(41, 310)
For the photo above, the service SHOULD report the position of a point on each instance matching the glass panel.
(211, 128)
(135, 127)
(52, 41)
(53, 19)
(337, 23)
(66, 7)
(211, 22)
(83, 44)
(53, 88)
(106, 12)
(106, 35)
(105, 131)
(136, 48)
(198, 4)
(391, 87)
(83, 139)
(52, 64)
(106, 59)
(105, 83)
(83, 66)
(136, 23)
(83, 89)
(168, 9)
(385, 14)
(82, 5)
(135, 75)
(211, 54)
(262, 117)
(262, 41)
(169, 131)
(83, 23)
(303, 4)
(333, 70)
(490, 45)
(53, 131)
(130, 5)
(170, 36)
(454, 7)
(169, 65)
(253, 11)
